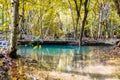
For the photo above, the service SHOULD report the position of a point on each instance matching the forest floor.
(100, 71)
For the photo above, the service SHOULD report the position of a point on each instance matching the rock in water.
(34, 61)
(118, 45)
(1, 56)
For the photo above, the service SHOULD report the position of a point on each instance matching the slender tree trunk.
(78, 16)
(46, 33)
(100, 22)
(111, 30)
(41, 32)
(3, 15)
(22, 22)
(14, 25)
(106, 30)
(41, 23)
(91, 28)
(72, 14)
(84, 20)
(91, 31)
(76, 28)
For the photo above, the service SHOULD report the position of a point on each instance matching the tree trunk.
(47, 30)
(106, 30)
(111, 29)
(3, 15)
(22, 24)
(78, 16)
(41, 22)
(14, 25)
(72, 14)
(91, 31)
(84, 20)
(41, 27)
(100, 23)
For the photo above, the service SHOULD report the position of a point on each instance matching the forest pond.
(87, 61)
(57, 49)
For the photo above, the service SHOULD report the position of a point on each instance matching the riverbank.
(86, 42)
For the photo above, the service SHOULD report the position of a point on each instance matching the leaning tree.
(13, 28)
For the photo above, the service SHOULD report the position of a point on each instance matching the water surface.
(55, 49)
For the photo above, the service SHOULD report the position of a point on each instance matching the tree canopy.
(47, 18)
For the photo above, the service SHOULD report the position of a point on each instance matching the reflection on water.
(84, 60)
(65, 56)
(54, 49)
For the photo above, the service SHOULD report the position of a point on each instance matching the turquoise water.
(54, 49)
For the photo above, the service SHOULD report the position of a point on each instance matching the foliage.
(47, 18)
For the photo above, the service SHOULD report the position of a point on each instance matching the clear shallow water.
(56, 49)
(91, 68)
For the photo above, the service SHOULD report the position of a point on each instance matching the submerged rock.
(1, 56)
(31, 61)
(118, 45)
(34, 61)
(27, 61)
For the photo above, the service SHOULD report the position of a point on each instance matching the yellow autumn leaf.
(35, 47)
(14, 78)
(21, 70)
(22, 78)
